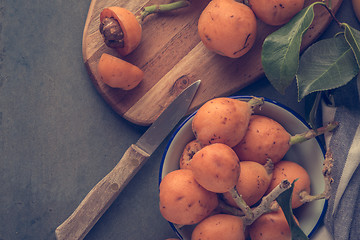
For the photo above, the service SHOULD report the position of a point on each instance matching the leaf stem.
(241, 203)
(161, 8)
(330, 11)
(314, 109)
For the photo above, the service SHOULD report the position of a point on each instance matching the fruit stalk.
(302, 137)
(255, 102)
(161, 8)
(269, 166)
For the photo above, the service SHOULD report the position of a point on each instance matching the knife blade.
(103, 194)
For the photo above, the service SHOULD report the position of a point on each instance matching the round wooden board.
(172, 57)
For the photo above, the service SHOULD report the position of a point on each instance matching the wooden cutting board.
(172, 57)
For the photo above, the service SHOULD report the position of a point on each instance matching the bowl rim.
(246, 97)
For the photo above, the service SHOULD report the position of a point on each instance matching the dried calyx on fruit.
(112, 32)
(122, 30)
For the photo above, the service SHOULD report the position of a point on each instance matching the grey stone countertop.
(58, 137)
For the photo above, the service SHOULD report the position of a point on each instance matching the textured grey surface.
(58, 137)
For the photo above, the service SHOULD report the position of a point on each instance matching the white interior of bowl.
(309, 154)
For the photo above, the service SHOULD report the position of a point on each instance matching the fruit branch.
(241, 203)
(328, 164)
(226, 208)
(267, 204)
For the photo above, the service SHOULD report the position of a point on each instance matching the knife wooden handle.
(99, 199)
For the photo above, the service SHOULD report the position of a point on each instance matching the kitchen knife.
(103, 194)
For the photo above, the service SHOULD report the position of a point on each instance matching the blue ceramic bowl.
(309, 154)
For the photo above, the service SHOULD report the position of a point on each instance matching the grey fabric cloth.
(342, 218)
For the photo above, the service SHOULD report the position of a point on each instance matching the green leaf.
(327, 64)
(284, 200)
(352, 37)
(281, 49)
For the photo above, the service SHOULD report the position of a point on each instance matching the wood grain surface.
(172, 57)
